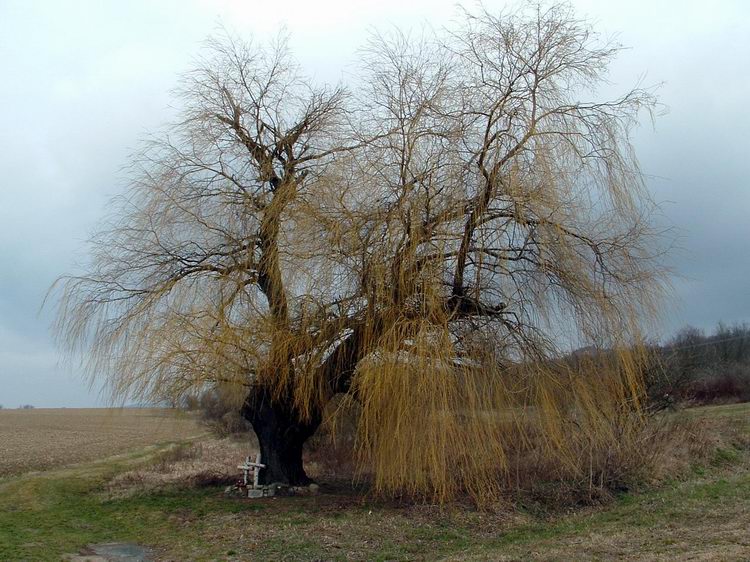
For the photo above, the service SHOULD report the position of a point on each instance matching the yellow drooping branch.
(433, 242)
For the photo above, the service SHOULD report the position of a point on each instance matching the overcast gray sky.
(81, 82)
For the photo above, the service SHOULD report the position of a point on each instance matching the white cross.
(253, 467)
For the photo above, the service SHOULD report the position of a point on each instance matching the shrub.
(219, 412)
(730, 383)
(698, 368)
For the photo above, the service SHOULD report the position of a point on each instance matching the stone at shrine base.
(276, 489)
(264, 492)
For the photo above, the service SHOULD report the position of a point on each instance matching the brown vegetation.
(667, 448)
(206, 462)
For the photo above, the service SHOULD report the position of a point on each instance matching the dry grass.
(45, 438)
(639, 456)
(210, 461)
(665, 448)
(698, 512)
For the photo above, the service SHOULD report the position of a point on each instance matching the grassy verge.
(704, 515)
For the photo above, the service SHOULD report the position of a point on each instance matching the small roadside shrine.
(254, 489)
(250, 486)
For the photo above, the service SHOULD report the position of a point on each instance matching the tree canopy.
(427, 240)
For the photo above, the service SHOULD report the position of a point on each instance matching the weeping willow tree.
(427, 242)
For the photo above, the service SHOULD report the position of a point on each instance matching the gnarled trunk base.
(281, 436)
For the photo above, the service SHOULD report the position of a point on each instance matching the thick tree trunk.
(281, 436)
(280, 430)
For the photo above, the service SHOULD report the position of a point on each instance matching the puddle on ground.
(112, 552)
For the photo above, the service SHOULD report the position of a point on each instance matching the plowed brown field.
(43, 438)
